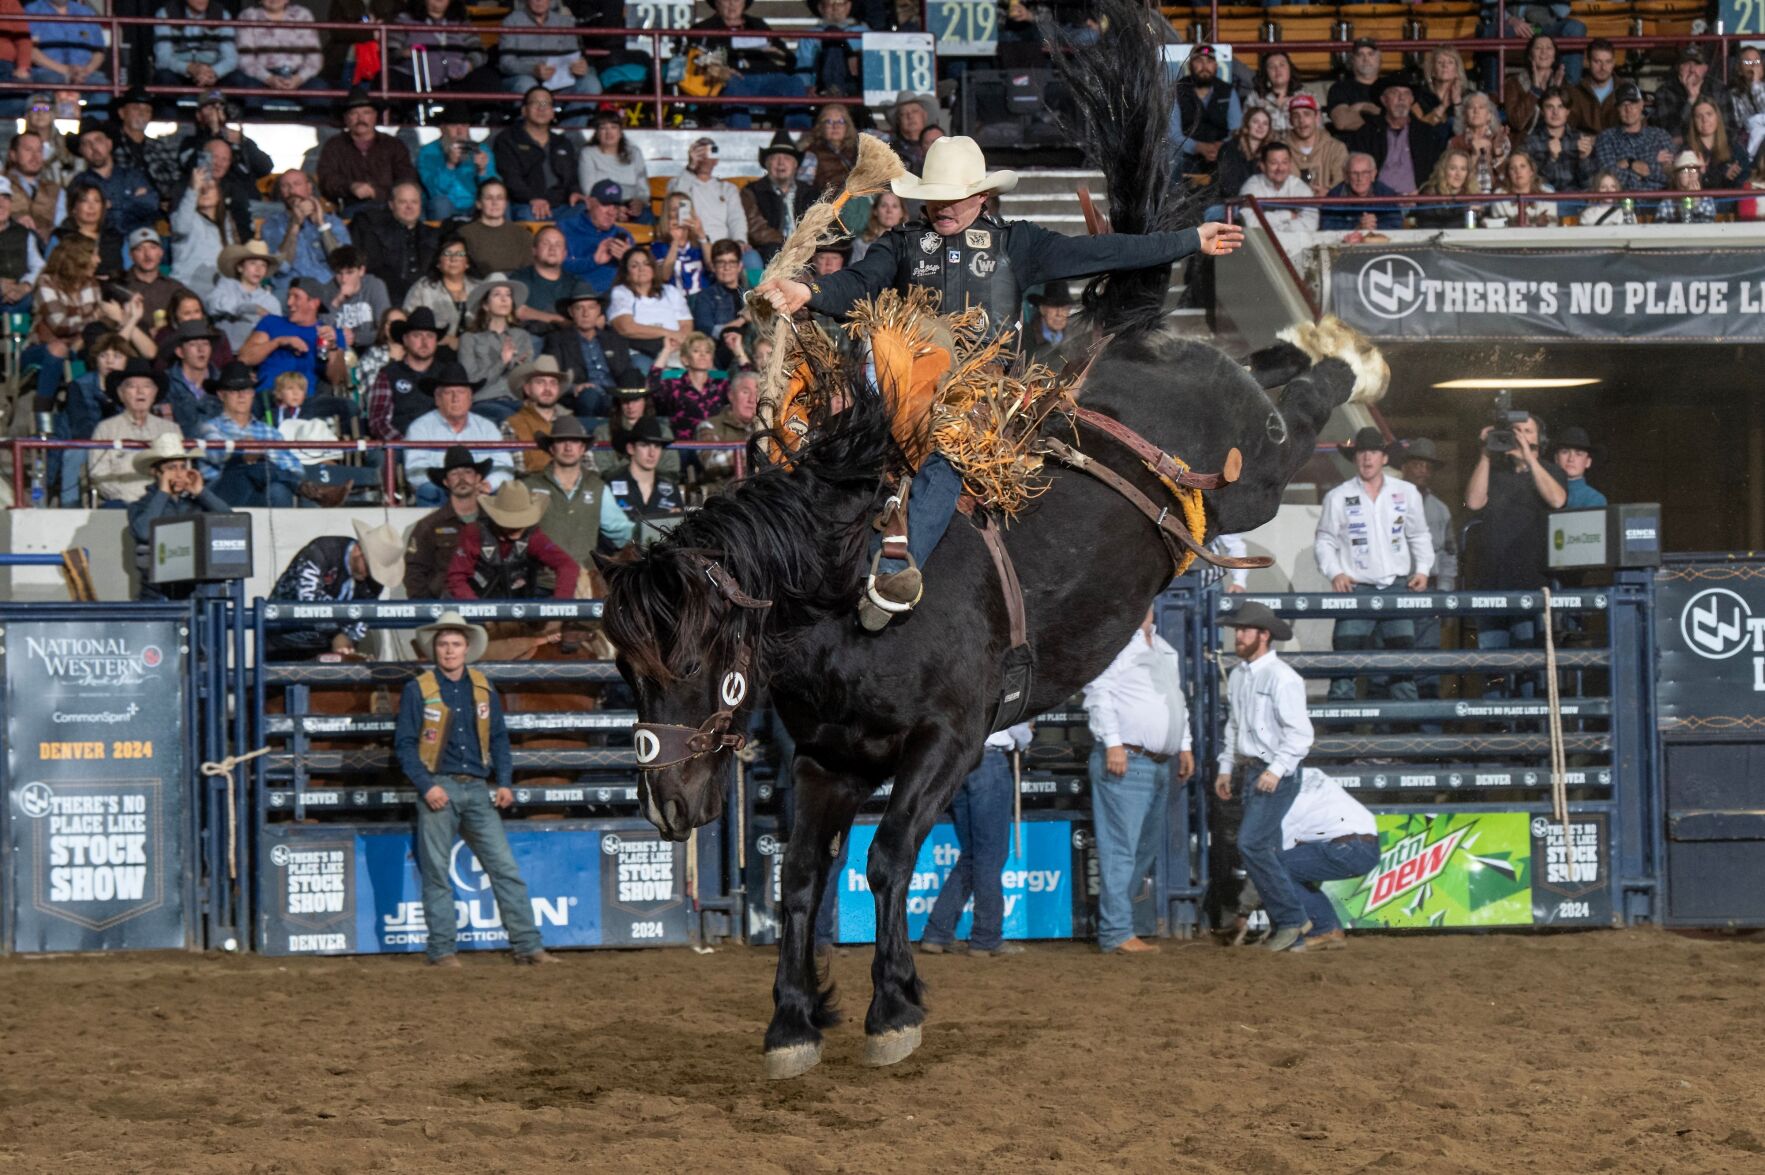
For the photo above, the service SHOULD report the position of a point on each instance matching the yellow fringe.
(1194, 515)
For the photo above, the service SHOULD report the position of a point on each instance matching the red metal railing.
(22, 448)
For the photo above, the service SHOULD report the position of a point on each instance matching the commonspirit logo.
(1717, 623)
(1390, 285)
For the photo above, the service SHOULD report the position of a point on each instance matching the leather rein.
(662, 744)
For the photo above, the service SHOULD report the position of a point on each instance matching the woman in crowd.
(1451, 177)
(451, 57)
(188, 307)
(831, 150)
(1237, 159)
(88, 216)
(201, 228)
(1525, 90)
(241, 292)
(494, 243)
(1441, 95)
(682, 246)
(645, 313)
(885, 214)
(683, 388)
(1273, 85)
(1747, 91)
(1483, 138)
(280, 60)
(908, 118)
(1683, 204)
(1725, 164)
(1563, 155)
(1611, 206)
(495, 346)
(445, 290)
(67, 300)
(1520, 178)
(611, 156)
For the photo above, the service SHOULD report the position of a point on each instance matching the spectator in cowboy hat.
(336, 569)
(190, 379)
(630, 405)
(1049, 329)
(395, 398)
(582, 515)
(594, 360)
(1573, 451)
(651, 500)
(539, 382)
(772, 204)
(241, 294)
(493, 347)
(176, 489)
(1267, 736)
(502, 554)
(113, 471)
(453, 745)
(909, 116)
(430, 549)
(452, 421)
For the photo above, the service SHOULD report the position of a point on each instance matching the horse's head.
(685, 632)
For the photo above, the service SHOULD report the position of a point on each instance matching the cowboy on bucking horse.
(972, 260)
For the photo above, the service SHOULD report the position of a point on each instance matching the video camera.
(1503, 417)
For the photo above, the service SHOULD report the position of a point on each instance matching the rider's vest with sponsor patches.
(971, 268)
(498, 576)
(436, 717)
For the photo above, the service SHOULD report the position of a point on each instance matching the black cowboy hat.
(135, 368)
(235, 376)
(562, 305)
(1419, 449)
(191, 330)
(1054, 294)
(458, 457)
(453, 112)
(781, 144)
(1254, 615)
(843, 247)
(636, 393)
(450, 375)
(132, 96)
(565, 428)
(651, 428)
(1369, 439)
(422, 318)
(1575, 437)
(357, 97)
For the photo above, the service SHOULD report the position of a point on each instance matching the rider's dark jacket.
(990, 264)
(319, 572)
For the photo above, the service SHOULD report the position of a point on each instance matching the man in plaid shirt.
(267, 478)
(1634, 152)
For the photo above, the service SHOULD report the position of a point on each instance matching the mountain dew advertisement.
(1440, 870)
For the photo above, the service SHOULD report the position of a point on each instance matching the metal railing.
(1522, 201)
(21, 449)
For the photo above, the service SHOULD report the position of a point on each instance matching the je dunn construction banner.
(1434, 293)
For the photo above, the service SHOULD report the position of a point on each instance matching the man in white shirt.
(981, 812)
(1276, 179)
(453, 421)
(717, 203)
(1373, 537)
(1267, 736)
(1327, 835)
(1139, 722)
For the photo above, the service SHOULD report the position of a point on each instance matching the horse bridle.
(662, 744)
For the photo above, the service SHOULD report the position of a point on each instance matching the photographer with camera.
(1511, 494)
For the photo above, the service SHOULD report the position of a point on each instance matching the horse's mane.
(790, 533)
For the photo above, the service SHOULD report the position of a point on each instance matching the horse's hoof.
(792, 1061)
(889, 1048)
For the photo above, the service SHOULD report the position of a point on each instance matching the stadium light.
(1517, 384)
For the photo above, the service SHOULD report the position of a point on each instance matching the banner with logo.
(1438, 871)
(98, 799)
(1710, 629)
(1040, 898)
(1434, 293)
(356, 890)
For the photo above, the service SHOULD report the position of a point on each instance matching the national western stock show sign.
(96, 785)
(1432, 292)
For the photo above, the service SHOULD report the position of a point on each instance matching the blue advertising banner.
(356, 890)
(1038, 885)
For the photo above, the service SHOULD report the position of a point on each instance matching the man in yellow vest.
(451, 739)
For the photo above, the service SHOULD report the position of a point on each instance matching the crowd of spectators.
(1555, 126)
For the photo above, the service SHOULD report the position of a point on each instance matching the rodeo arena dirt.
(1133, 629)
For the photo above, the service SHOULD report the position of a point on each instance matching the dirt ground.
(1634, 1051)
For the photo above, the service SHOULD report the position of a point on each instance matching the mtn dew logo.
(1444, 870)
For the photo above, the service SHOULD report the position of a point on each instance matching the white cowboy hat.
(167, 446)
(477, 640)
(544, 365)
(954, 170)
(518, 290)
(514, 506)
(383, 549)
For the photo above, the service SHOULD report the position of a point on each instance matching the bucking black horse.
(758, 588)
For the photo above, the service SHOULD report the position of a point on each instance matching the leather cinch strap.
(1008, 584)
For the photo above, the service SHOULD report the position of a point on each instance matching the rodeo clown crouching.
(971, 260)
(453, 746)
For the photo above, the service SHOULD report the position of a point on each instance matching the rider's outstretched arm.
(834, 294)
(1038, 255)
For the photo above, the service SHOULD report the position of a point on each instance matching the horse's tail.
(1123, 94)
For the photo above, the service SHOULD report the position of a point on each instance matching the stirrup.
(876, 609)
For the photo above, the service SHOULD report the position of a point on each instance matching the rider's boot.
(912, 523)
